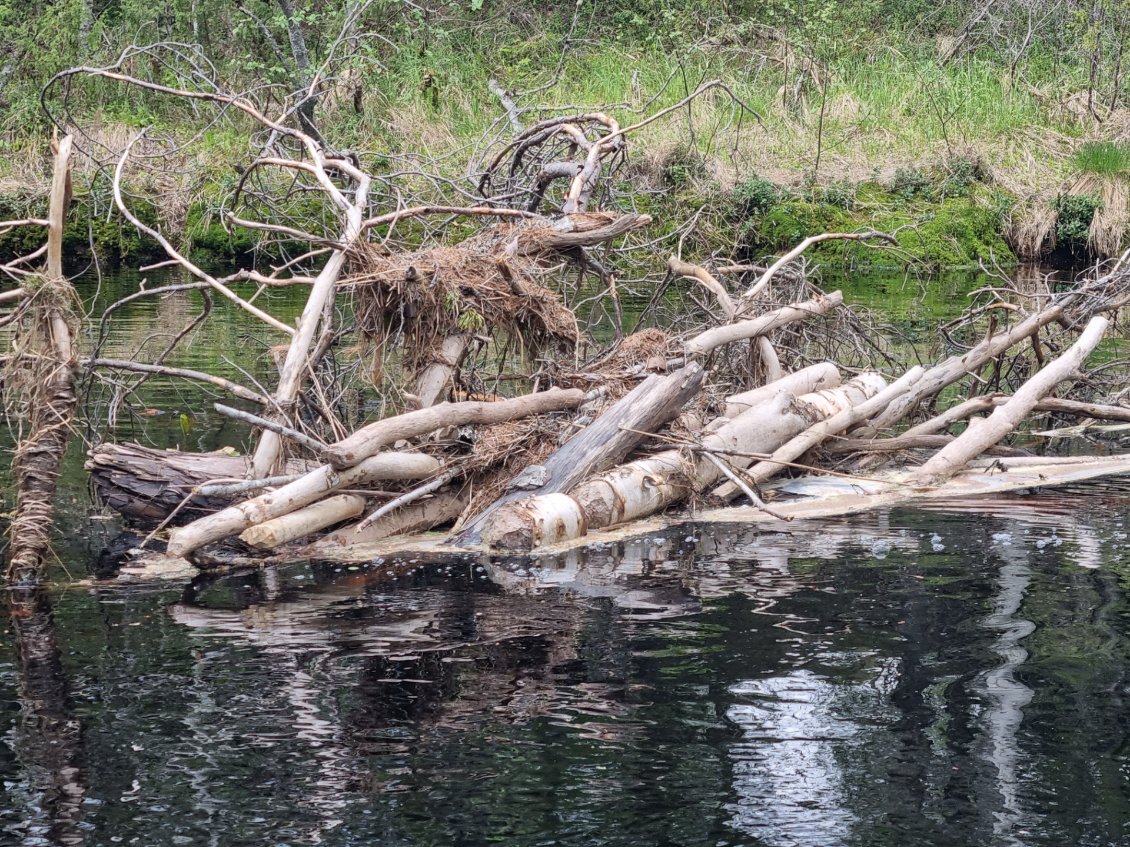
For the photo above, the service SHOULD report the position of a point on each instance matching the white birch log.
(305, 521)
(1004, 419)
(796, 447)
(804, 381)
(302, 492)
(369, 439)
(436, 511)
(646, 486)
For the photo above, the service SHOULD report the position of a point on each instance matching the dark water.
(903, 678)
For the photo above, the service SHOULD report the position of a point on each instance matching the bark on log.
(608, 440)
(282, 530)
(646, 486)
(369, 439)
(1005, 418)
(818, 432)
(35, 464)
(805, 381)
(302, 492)
(417, 517)
(716, 337)
(144, 485)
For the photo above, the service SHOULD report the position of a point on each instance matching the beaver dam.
(467, 368)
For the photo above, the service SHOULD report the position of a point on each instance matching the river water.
(904, 677)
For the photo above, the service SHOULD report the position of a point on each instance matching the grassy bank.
(967, 161)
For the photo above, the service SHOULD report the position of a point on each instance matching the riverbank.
(965, 165)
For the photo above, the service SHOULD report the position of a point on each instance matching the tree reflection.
(47, 736)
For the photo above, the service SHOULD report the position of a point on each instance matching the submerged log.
(608, 440)
(646, 486)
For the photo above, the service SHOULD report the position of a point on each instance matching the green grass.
(1102, 158)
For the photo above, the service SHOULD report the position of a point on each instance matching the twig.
(749, 492)
(410, 497)
(312, 444)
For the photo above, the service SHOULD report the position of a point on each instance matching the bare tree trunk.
(35, 465)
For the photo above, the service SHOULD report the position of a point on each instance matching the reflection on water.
(842, 683)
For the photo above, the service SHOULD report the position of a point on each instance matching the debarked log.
(646, 486)
(1004, 419)
(436, 511)
(606, 441)
(369, 439)
(302, 492)
(303, 522)
(813, 378)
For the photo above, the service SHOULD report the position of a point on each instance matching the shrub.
(1075, 211)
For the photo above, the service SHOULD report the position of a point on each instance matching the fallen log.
(441, 509)
(145, 485)
(1006, 417)
(805, 381)
(646, 486)
(369, 439)
(898, 444)
(302, 492)
(718, 336)
(303, 522)
(608, 440)
(821, 430)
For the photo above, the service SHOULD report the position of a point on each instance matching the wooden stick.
(409, 497)
(749, 492)
(706, 280)
(183, 373)
(767, 277)
(369, 439)
(712, 339)
(317, 447)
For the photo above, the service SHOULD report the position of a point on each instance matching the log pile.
(754, 373)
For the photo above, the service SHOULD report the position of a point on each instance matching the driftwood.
(305, 490)
(649, 485)
(146, 485)
(712, 339)
(303, 522)
(652, 404)
(417, 517)
(369, 439)
(1005, 418)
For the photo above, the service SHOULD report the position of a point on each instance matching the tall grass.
(1102, 158)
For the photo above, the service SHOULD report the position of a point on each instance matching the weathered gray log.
(605, 442)
(144, 485)
(369, 439)
(840, 446)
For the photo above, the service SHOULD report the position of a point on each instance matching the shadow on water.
(909, 677)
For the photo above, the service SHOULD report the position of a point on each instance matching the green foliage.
(1073, 223)
(755, 197)
(910, 183)
(683, 166)
(1103, 158)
